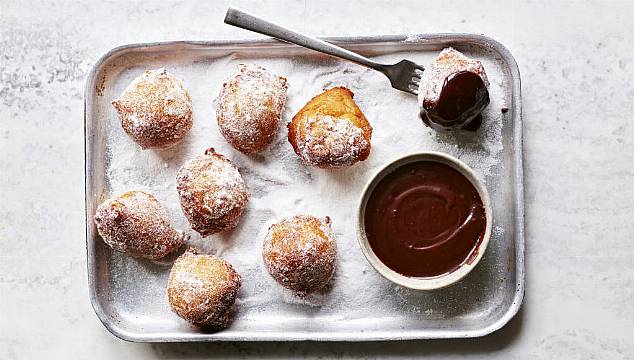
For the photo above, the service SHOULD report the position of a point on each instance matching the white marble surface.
(577, 64)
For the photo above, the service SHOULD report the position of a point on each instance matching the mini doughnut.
(453, 91)
(202, 289)
(299, 252)
(155, 110)
(330, 130)
(212, 193)
(249, 108)
(137, 224)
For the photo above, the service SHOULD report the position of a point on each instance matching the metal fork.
(404, 75)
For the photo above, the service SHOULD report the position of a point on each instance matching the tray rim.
(518, 298)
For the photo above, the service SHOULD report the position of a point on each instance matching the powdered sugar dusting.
(299, 252)
(135, 223)
(337, 141)
(250, 106)
(212, 193)
(202, 289)
(155, 109)
(282, 186)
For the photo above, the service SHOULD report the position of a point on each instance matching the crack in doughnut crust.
(299, 252)
(202, 289)
(136, 223)
(155, 110)
(212, 193)
(250, 106)
(330, 130)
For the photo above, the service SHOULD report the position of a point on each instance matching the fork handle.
(247, 21)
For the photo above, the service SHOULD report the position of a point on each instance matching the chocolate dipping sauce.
(462, 98)
(424, 219)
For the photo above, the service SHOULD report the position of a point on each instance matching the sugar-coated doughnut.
(202, 289)
(155, 110)
(330, 130)
(249, 108)
(137, 224)
(299, 252)
(212, 193)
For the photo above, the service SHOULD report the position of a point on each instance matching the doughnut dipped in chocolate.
(453, 91)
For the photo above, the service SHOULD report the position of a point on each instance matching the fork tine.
(404, 75)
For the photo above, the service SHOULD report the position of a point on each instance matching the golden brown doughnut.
(212, 193)
(137, 224)
(249, 108)
(299, 252)
(202, 289)
(330, 130)
(155, 110)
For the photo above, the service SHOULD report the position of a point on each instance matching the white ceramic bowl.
(424, 283)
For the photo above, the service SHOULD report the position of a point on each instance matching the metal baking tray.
(128, 295)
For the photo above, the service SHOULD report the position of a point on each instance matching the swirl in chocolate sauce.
(424, 219)
(462, 98)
